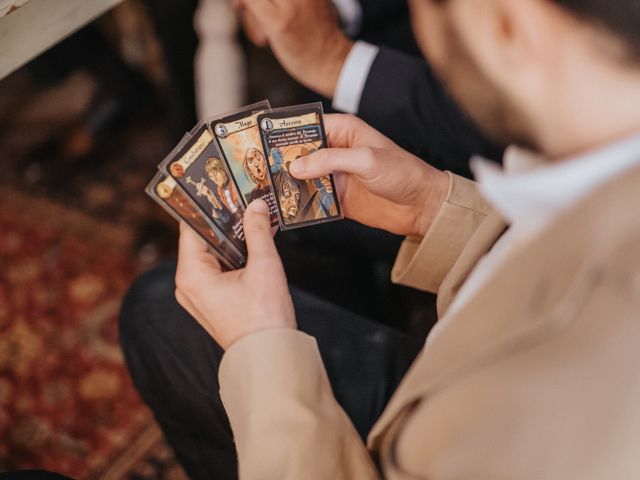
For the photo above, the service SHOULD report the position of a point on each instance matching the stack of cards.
(226, 162)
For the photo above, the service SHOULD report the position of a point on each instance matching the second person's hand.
(304, 35)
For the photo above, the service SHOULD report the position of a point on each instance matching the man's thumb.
(257, 231)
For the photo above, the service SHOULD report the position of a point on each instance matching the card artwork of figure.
(203, 175)
(238, 136)
(288, 134)
(166, 192)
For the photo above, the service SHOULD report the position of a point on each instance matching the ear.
(512, 41)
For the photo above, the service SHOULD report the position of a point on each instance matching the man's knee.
(151, 295)
(170, 357)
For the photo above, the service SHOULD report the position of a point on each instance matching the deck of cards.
(226, 162)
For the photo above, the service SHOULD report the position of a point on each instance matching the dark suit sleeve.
(379, 11)
(404, 100)
(388, 23)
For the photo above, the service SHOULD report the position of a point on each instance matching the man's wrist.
(333, 62)
(439, 185)
(353, 77)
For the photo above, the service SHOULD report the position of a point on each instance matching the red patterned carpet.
(66, 401)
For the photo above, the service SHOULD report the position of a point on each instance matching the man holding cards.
(531, 372)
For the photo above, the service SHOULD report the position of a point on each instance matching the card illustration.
(165, 191)
(203, 175)
(287, 134)
(238, 136)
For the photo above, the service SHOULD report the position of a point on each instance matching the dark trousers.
(174, 365)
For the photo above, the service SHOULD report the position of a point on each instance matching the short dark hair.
(620, 17)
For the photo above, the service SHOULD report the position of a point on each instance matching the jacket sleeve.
(286, 422)
(403, 99)
(423, 263)
(376, 11)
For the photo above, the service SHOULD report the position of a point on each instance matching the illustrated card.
(200, 171)
(238, 136)
(287, 134)
(165, 191)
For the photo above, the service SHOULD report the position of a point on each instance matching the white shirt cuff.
(350, 12)
(353, 77)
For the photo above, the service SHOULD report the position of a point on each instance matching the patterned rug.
(66, 401)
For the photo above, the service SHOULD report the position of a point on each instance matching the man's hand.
(380, 185)
(251, 26)
(304, 35)
(234, 304)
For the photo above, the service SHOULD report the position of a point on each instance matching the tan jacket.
(537, 377)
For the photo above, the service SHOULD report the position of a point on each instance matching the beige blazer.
(537, 377)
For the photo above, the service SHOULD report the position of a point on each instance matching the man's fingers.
(190, 241)
(194, 258)
(261, 9)
(357, 161)
(257, 233)
(254, 30)
(339, 128)
(349, 131)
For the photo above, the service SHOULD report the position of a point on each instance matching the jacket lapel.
(536, 292)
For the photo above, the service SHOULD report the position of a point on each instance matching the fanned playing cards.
(226, 162)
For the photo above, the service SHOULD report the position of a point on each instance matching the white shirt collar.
(533, 192)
